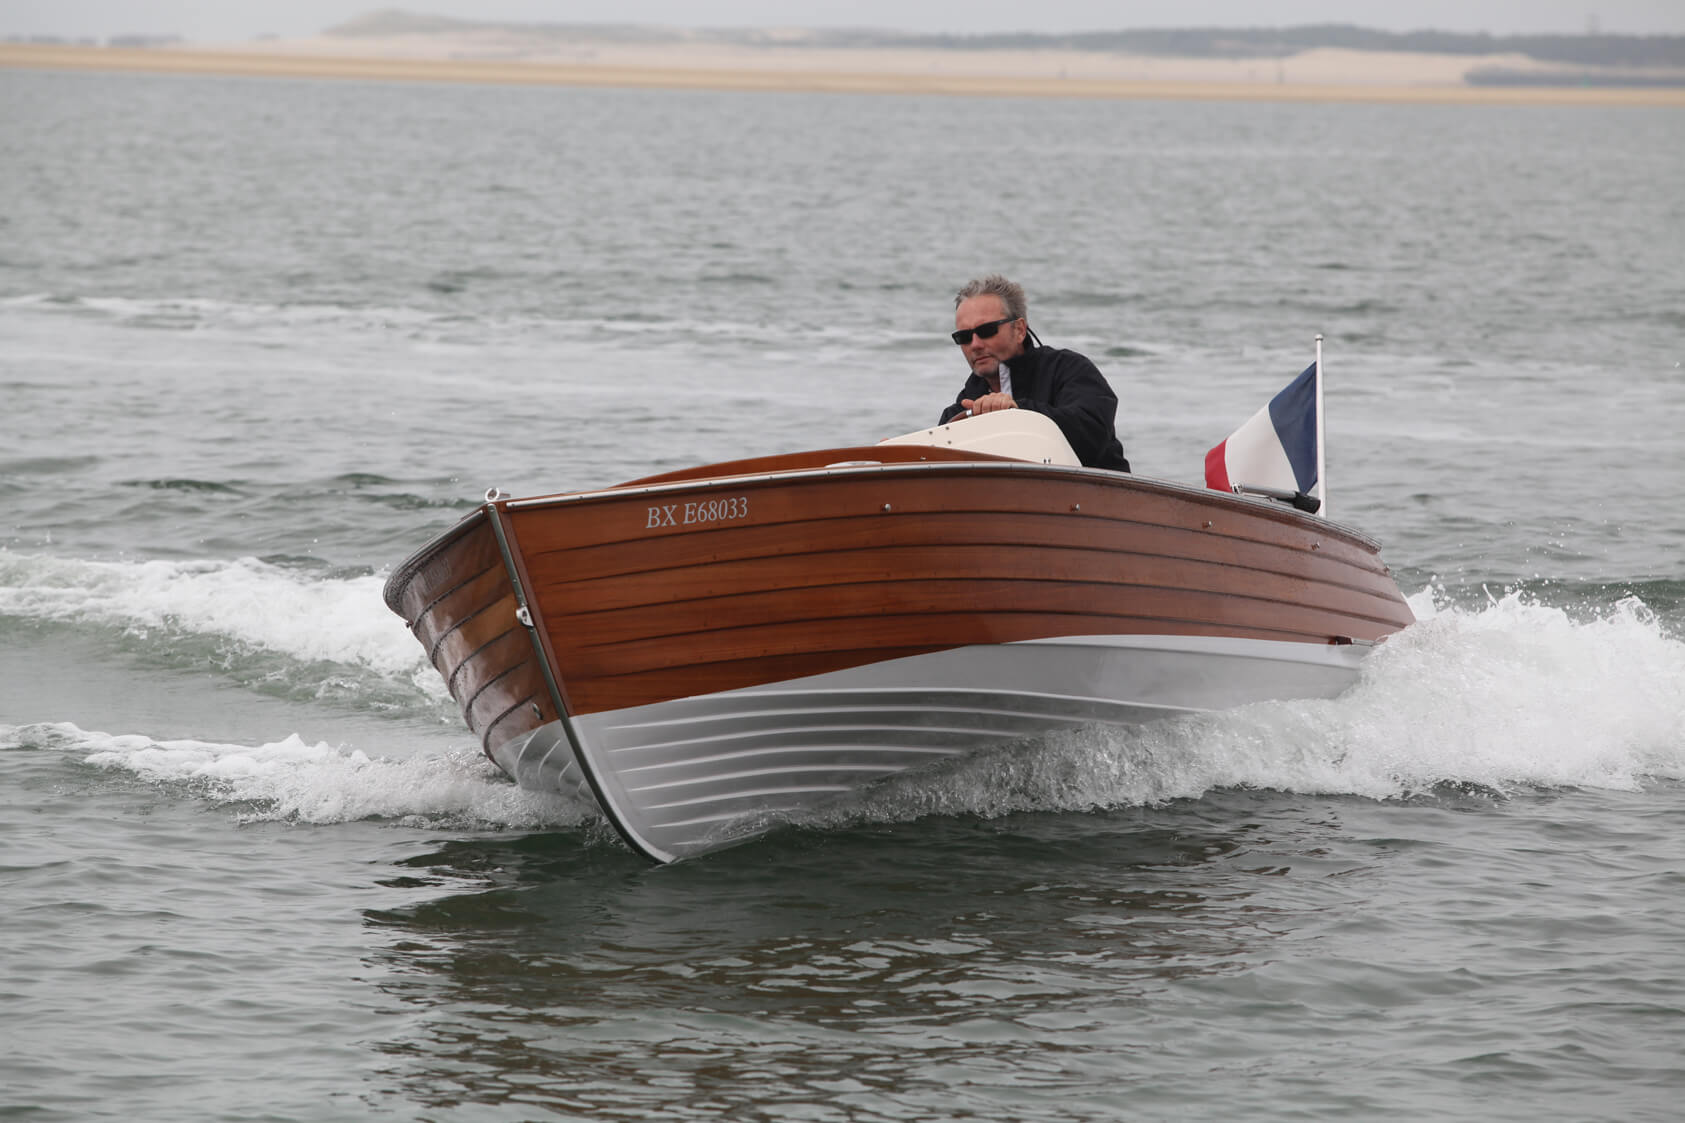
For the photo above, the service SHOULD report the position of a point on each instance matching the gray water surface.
(261, 339)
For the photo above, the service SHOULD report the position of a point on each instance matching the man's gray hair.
(1011, 295)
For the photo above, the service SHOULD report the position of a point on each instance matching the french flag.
(1276, 448)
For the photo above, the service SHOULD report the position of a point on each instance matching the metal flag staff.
(1321, 447)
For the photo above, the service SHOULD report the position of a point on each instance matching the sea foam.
(296, 781)
(246, 601)
(1510, 697)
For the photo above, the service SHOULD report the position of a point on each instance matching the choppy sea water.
(258, 340)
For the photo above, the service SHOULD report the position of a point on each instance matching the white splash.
(1507, 698)
(245, 600)
(1522, 694)
(1512, 697)
(315, 783)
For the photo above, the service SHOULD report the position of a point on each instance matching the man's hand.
(988, 403)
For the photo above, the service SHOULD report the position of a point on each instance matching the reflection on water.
(946, 965)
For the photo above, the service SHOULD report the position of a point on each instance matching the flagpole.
(1321, 450)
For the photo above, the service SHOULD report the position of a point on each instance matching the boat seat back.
(1021, 434)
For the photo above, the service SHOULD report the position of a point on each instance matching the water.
(258, 340)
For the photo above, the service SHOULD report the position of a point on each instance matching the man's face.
(986, 355)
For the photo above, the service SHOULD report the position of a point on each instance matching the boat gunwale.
(407, 570)
(1251, 505)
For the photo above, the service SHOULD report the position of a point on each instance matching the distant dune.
(1319, 63)
(1594, 51)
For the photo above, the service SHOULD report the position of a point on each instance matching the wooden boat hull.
(707, 652)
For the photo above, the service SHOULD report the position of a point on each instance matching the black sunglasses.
(981, 331)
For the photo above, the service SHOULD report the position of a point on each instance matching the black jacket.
(1068, 388)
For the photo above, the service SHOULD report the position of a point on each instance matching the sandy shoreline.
(1313, 76)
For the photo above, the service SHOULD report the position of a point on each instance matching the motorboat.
(706, 653)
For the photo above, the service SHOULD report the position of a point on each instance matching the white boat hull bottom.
(685, 777)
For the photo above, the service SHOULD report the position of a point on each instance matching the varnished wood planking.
(563, 584)
(529, 709)
(610, 692)
(466, 549)
(733, 558)
(921, 489)
(497, 630)
(822, 531)
(485, 623)
(820, 577)
(818, 515)
(1097, 606)
(1005, 529)
(458, 600)
(507, 676)
(1109, 606)
(815, 629)
(454, 609)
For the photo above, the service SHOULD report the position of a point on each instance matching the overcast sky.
(225, 20)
